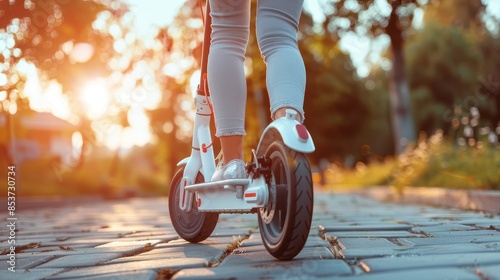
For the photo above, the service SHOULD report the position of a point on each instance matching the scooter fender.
(294, 134)
(190, 172)
(183, 162)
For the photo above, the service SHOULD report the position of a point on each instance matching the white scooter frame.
(236, 195)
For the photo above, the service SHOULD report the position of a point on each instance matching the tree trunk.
(402, 119)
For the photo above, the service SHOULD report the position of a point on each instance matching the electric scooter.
(278, 186)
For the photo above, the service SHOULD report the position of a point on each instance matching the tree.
(461, 14)
(489, 77)
(375, 18)
(177, 64)
(44, 34)
(472, 19)
(58, 41)
(75, 41)
(455, 44)
(451, 63)
(376, 135)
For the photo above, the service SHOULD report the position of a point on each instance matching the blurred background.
(96, 95)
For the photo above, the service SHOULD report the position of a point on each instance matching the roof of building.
(42, 121)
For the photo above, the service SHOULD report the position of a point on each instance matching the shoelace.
(219, 160)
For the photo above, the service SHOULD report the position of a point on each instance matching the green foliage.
(373, 19)
(335, 110)
(369, 17)
(376, 134)
(489, 78)
(461, 14)
(136, 173)
(438, 163)
(377, 173)
(41, 177)
(48, 176)
(451, 58)
(453, 62)
(432, 162)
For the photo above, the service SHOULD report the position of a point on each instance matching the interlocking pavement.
(352, 237)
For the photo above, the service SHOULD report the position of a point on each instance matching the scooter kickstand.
(239, 192)
(237, 189)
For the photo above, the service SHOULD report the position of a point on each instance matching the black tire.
(194, 226)
(285, 222)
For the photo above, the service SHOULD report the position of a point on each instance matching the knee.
(272, 37)
(227, 34)
(230, 39)
(273, 43)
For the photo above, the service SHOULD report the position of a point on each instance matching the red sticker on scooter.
(302, 131)
(252, 194)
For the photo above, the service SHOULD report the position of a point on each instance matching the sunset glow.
(95, 99)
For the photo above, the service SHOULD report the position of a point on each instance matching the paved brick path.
(352, 237)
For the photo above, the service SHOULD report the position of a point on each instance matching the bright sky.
(153, 13)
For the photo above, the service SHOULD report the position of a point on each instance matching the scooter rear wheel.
(285, 222)
(193, 226)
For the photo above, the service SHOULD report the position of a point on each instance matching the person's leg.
(277, 25)
(226, 76)
(232, 147)
(227, 81)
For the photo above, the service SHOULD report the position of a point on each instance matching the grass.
(459, 167)
(48, 177)
(433, 162)
(376, 173)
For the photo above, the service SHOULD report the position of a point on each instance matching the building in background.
(38, 136)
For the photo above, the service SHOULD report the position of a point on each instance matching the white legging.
(277, 24)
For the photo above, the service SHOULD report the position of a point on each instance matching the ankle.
(232, 148)
(281, 112)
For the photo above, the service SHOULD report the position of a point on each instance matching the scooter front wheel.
(193, 226)
(285, 222)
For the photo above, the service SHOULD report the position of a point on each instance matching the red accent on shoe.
(302, 131)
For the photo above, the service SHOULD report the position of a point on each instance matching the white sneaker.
(234, 169)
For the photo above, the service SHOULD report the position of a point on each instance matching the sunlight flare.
(95, 99)
(82, 52)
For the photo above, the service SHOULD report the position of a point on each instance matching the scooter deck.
(217, 185)
(230, 196)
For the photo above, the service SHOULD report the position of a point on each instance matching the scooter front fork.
(202, 154)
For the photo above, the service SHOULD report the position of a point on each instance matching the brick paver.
(351, 237)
